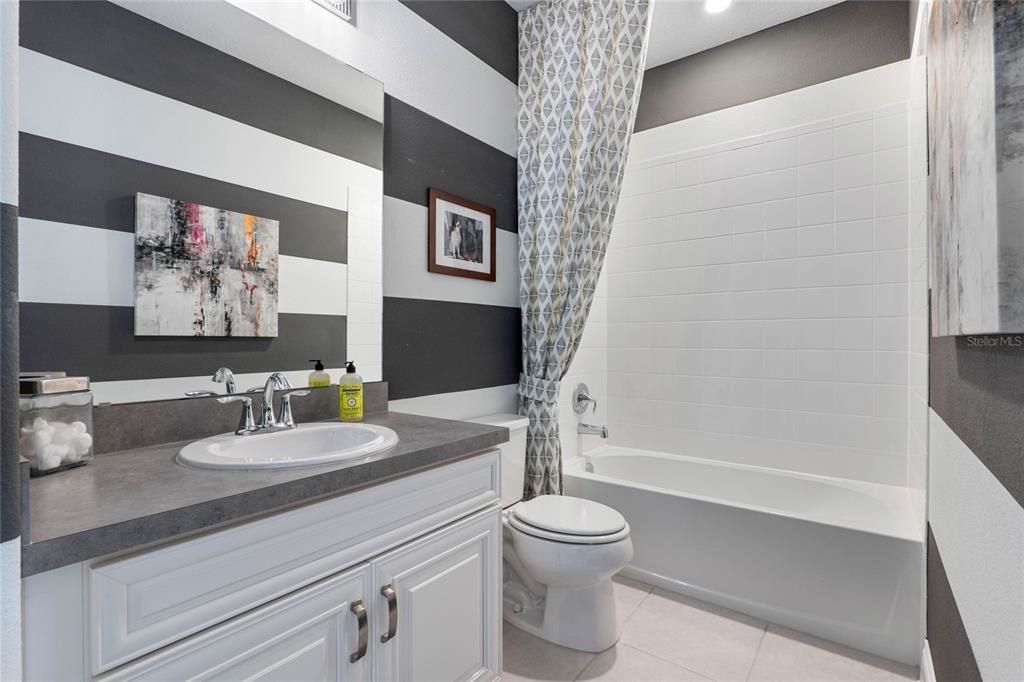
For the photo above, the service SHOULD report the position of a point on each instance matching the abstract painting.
(203, 271)
(976, 166)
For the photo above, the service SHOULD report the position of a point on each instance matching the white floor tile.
(528, 658)
(623, 663)
(628, 595)
(711, 641)
(795, 657)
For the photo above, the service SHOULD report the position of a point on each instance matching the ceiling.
(681, 27)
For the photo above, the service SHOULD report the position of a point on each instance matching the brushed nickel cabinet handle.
(364, 636)
(389, 593)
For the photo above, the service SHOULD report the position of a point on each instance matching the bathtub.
(831, 557)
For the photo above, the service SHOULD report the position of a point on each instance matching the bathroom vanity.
(388, 568)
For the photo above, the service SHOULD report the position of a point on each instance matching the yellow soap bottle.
(350, 392)
(318, 377)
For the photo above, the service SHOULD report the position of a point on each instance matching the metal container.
(56, 422)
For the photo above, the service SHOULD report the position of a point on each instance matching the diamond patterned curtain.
(580, 69)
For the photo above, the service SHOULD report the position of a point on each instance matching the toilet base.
(580, 618)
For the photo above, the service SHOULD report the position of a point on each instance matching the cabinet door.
(447, 594)
(307, 636)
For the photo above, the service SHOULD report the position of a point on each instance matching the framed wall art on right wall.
(976, 166)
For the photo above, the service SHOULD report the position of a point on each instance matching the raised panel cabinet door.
(437, 609)
(312, 635)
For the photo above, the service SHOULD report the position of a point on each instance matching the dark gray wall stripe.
(70, 184)
(118, 43)
(105, 349)
(10, 471)
(487, 28)
(975, 386)
(441, 346)
(833, 42)
(420, 152)
(952, 655)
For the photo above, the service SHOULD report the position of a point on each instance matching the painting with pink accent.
(203, 271)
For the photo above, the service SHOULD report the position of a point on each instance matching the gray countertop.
(131, 498)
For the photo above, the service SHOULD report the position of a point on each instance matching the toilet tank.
(513, 454)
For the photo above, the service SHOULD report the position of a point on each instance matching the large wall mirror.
(198, 189)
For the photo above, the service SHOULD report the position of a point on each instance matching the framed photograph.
(460, 237)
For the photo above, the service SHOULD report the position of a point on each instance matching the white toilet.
(560, 555)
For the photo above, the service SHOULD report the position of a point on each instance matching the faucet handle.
(199, 394)
(247, 423)
(581, 399)
(287, 419)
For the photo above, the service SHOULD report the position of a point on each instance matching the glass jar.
(56, 431)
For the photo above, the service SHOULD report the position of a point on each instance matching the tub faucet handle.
(581, 398)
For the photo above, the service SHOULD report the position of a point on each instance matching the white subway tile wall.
(758, 304)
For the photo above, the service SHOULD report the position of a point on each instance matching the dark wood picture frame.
(433, 196)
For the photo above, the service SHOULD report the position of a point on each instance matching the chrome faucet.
(268, 423)
(274, 381)
(225, 376)
(591, 430)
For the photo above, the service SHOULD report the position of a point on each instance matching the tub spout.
(591, 430)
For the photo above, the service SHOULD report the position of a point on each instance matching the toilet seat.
(565, 538)
(570, 520)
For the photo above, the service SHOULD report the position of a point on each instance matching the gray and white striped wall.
(976, 509)
(10, 478)
(203, 102)
(449, 71)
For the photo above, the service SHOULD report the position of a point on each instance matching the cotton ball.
(62, 433)
(81, 444)
(79, 427)
(37, 440)
(56, 450)
(46, 461)
(38, 424)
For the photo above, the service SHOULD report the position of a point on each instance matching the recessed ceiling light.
(716, 6)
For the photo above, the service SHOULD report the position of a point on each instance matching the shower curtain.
(580, 68)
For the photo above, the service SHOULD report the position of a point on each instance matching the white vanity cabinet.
(398, 581)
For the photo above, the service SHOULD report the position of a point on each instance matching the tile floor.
(670, 637)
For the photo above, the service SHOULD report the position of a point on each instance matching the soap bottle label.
(351, 402)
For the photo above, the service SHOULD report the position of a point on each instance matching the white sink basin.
(305, 445)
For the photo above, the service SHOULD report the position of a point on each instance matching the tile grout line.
(660, 658)
(757, 652)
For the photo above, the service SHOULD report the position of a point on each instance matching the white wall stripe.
(979, 529)
(121, 119)
(231, 30)
(405, 267)
(135, 390)
(74, 264)
(405, 52)
(316, 287)
(461, 404)
(9, 103)
(832, 99)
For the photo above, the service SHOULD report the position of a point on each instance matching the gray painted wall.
(837, 41)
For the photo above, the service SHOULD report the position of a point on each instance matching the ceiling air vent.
(346, 9)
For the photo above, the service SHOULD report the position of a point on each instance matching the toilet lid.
(569, 515)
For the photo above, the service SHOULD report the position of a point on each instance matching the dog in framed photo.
(463, 238)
